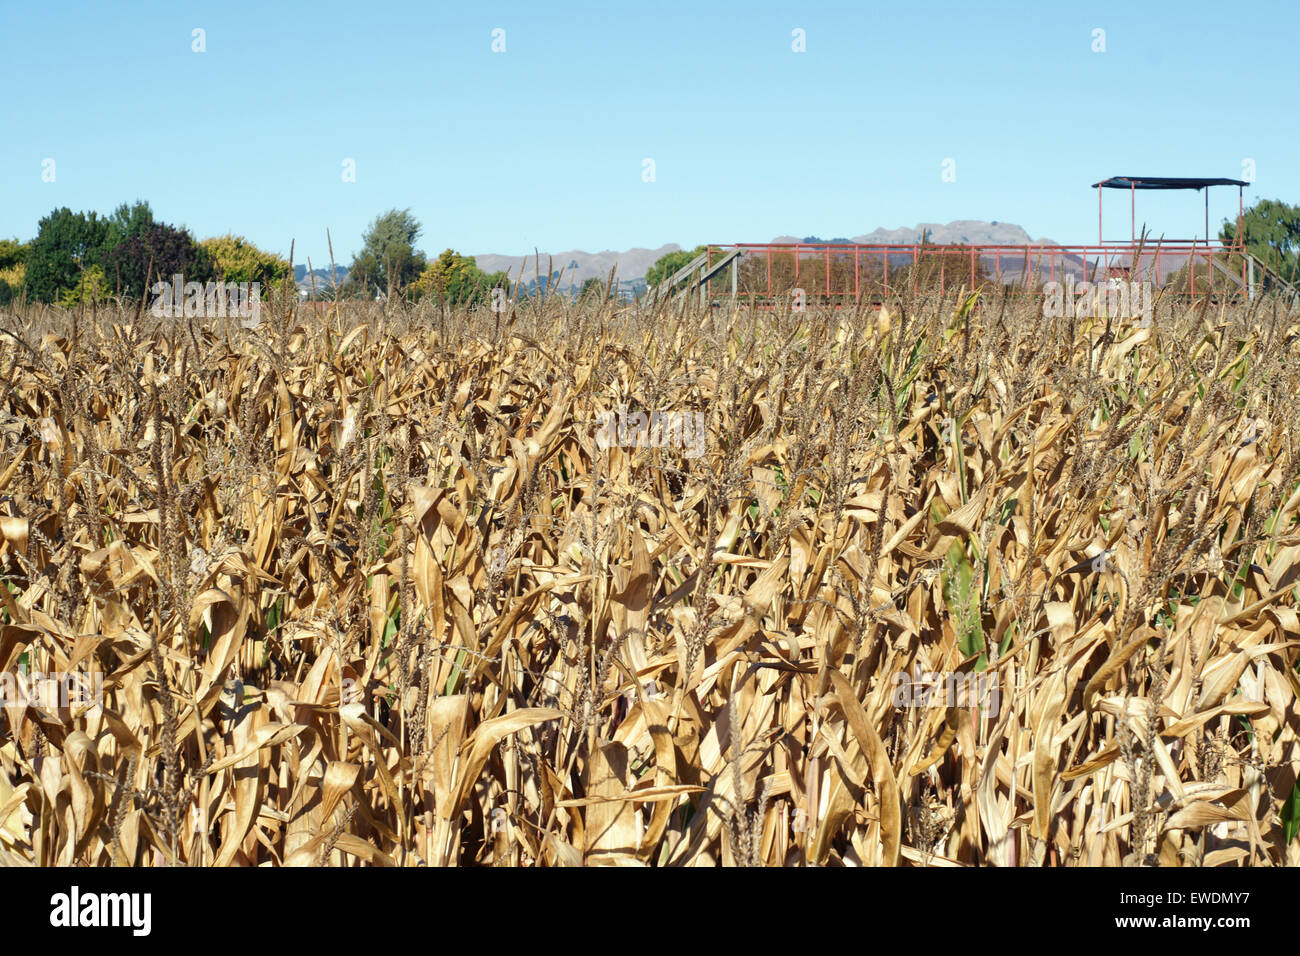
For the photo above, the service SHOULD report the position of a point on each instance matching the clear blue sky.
(543, 145)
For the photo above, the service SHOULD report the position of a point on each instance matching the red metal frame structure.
(848, 272)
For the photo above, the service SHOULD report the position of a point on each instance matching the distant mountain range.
(575, 266)
(966, 231)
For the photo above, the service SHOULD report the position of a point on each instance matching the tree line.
(80, 257)
(83, 256)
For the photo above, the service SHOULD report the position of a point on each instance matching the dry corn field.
(367, 588)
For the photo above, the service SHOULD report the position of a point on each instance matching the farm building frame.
(845, 273)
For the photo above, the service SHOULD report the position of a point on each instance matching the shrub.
(454, 279)
(238, 260)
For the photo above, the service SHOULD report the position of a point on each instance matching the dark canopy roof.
(1164, 182)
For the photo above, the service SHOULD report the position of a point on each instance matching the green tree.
(65, 244)
(12, 253)
(13, 268)
(1271, 231)
(91, 287)
(238, 260)
(667, 265)
(127, 221)
(454, 279)
(388, 260)
(592, 288)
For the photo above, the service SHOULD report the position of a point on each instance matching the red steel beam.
(1193, 253)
